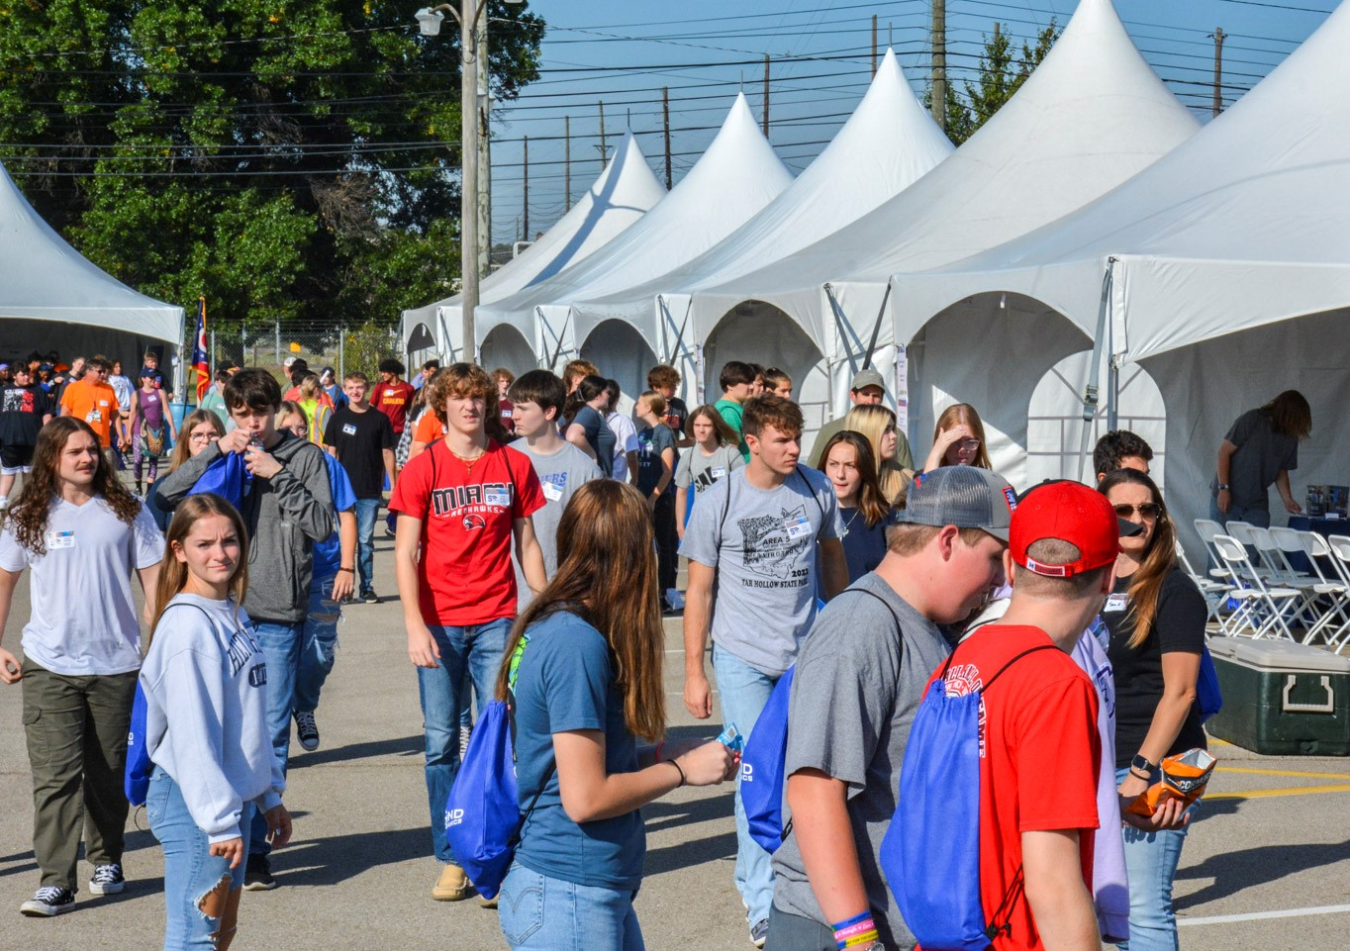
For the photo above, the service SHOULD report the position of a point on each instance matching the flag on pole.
(199, 357)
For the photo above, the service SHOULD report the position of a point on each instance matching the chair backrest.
(1272, 555)
(1316, 548)
(1289, 540)
(1340, 547)
(1208, 528)
(1242, 531)
(1231, 550)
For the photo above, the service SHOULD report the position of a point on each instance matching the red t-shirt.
(392, 400)
(465, 575)
(507, 409)
(1039, 757)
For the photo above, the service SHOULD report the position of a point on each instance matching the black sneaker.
(48, 902)
(258, 874)
(370, 597)
(307, 730)
(107, 880)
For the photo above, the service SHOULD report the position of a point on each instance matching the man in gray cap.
(868, 389)
(860, 677)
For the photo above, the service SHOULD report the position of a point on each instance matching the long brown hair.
(959, 413)
(607, 576)
(30, 511)
(1290, 414)
(726, 436)
(1159, 558)
(173, 574)
(871, 503)
(182, 451)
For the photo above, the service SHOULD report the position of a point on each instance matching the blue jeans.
(539, 913)
(1151, 860)
(319, 643)
(190, 871)
(366, 511)
(744, 691)
(478, 650)
(280, 645)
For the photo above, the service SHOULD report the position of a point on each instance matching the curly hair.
(466, 380)
(30, 513)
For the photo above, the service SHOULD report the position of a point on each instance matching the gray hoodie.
(284, 516)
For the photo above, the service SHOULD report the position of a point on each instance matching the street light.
(429, 23)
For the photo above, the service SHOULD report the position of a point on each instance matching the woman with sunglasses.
(1156, 619)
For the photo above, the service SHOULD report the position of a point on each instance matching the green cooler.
(1282, 698)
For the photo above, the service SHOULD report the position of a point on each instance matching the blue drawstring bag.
(1207, 692)
(762, 764)
(226, 477)
(483, 820)
(136, 778)
(930, 854)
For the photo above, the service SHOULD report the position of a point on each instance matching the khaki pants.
(76, 728)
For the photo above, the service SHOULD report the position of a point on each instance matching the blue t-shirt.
(652, 441)
(863, 547)
(566, 682)
(328, 553)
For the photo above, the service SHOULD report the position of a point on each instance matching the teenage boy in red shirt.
(1039, 747)
(460, 503)
(392, 395)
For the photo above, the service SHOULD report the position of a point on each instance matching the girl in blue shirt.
(588, 654)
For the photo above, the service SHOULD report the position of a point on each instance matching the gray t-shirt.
(700, 471)
(763, 545)
(1261, 455)
(854, 696)
(560, 475)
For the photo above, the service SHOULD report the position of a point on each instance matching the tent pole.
(679, 338)
(1090, 393)
(561, 333)
(876, 328)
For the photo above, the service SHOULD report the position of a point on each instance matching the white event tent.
(624, 192)
(1229, 271)
(1092, 115)
(888, 143)
(734, 179)
(52, 297)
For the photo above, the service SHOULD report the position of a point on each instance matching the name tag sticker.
(719, 472)
(500, 498)
(797, 527)
(1116, 603)
(349, 429)
(60, 540)
(552, 492)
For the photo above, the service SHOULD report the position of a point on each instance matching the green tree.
(293, 158)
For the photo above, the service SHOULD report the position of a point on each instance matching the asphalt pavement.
(1267, 864)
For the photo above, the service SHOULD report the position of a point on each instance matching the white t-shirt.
(625, 441)
(84, 620)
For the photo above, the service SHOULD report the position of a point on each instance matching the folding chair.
(1245, 533)
(1325, 598)
(1340, 548)
(1262, 608)
(1208, 529)
(1215, 592)
(1274, 564)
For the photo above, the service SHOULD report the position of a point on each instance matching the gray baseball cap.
(964, 496)
(868, 377)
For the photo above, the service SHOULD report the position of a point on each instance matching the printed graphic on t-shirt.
(554, 485)
(17, 401)
(471, 499)
(708, 476)
(241, 650)
(771, 550)
(963, 680)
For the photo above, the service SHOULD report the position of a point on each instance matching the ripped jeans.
(198, 912)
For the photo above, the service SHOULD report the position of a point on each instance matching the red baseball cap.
(1070, 512)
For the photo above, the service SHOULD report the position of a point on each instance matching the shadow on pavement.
(1236, 871)
(340, 857)
(404, 746)
(661, 816)
(690, 853)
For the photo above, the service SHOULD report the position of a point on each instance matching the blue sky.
(623, 53)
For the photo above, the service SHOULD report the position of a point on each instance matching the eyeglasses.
(1148, 510)
(970, 445)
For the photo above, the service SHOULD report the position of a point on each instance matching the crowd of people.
(537, 535)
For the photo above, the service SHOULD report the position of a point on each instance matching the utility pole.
(665, 118)
(604, 149)
(484, 152)
(874, 46)
(940, 63)
(567, 160)
(766, 95)
(525, 232)
(1218, 35)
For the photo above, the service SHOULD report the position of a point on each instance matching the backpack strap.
(1030, 650)
(512, 673)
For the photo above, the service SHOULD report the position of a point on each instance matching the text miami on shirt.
(468, 500)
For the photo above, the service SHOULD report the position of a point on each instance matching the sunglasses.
(1149, 510)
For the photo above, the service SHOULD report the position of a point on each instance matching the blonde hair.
(872, 422)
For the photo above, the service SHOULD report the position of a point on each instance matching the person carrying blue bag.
(858, 681)
(587, 687)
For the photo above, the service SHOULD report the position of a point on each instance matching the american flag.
(199, 357)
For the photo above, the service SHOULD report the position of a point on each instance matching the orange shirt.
(429, 428)
(95, 403)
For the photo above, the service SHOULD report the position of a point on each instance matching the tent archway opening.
(621, 354)
(505, 346)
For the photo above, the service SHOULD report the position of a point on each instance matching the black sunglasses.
(1149, 510)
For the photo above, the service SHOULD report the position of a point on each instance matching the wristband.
(678, 770)
(1140, 775)
(1223, 486)
(659, 747)
(857, 932)
(349, 570)
(1141, 764)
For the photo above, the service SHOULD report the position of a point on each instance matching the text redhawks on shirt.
(467, 512)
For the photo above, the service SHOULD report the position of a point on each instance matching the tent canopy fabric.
(1092, 115)
(625, 191)
(737, 177)
(44, 278)
(1243, 225)
(888, 143)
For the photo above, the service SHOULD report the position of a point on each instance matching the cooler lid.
(1278, 655)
